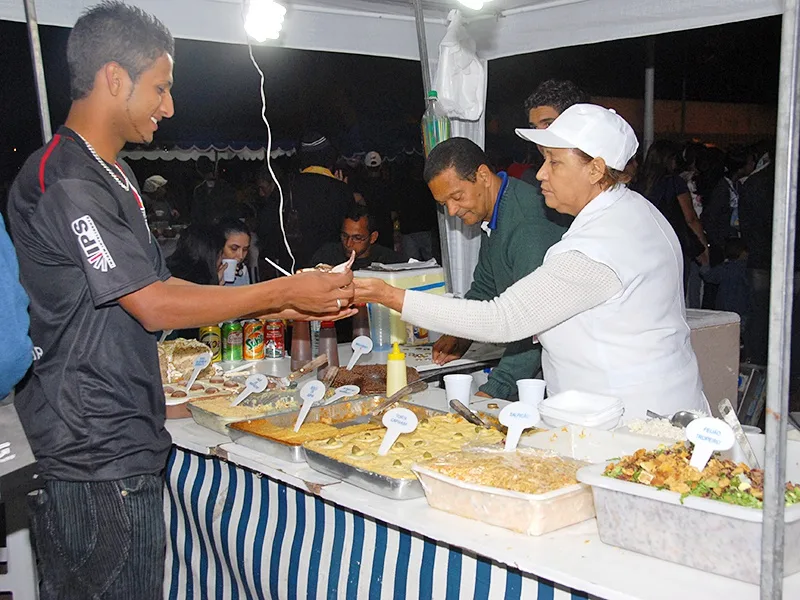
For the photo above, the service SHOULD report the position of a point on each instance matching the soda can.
(232, 339)
(212, 337)
(253, 340)
(274, 344)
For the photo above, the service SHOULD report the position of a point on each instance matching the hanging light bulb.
(474, 4)
(264, 20)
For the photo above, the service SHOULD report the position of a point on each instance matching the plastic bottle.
(328, 345)
(380, 327)
(314, 328)
(361, 322)
(435, 127)
(395, 371)
(301, 344)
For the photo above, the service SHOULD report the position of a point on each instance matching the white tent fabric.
(212, 152)
(387, 28)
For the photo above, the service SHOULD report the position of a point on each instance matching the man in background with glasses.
(358, 233)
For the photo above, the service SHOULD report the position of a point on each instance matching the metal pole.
(422, 41)
(38, 69)
(780, 308)
(649, 94)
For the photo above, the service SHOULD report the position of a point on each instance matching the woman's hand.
(377, 290)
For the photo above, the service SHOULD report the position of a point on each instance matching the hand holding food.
(316, 292)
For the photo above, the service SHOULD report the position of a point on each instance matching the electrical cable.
(268, 153)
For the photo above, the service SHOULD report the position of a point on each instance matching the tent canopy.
(387, 28)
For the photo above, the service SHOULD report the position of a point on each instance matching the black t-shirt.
(321, 203)
(93, 408)
(332, 254)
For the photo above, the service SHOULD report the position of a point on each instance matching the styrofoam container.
(532, 514)
(582, 408)
(589, 445)
(704, 534)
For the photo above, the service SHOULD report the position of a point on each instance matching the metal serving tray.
(220, 423)
(383, 485)
(339, 414)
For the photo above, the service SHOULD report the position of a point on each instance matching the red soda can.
(274, 345)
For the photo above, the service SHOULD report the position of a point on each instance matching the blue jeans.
(100, 540)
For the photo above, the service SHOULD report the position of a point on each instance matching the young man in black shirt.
(93, 408)
(359, 233)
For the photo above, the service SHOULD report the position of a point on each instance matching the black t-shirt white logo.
(92, 244)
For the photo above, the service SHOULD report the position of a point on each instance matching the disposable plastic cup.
(380, 327)
(229, 274)
(458, 387)
(531, 391)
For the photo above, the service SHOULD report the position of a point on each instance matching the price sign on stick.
(361, 345)
(518, 417)
(200, 363)
(255, 384)
(396, 421)
(344, 391)
(708, 435)
(312, 392)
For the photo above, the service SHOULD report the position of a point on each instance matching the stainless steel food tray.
(219, 423)
(339, 413)
(390, 487)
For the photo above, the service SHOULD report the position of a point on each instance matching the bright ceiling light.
(474, 4)
(264, 20)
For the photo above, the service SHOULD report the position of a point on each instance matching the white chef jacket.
(636, 345)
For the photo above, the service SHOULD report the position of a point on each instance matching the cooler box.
(429, 280)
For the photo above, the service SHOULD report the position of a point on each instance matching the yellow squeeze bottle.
(395, 370)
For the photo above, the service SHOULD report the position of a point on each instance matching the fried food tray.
(339, 414)
(383, 485)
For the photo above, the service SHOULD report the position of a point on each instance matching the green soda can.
(232, 338)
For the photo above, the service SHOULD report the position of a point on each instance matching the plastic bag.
(461, 76)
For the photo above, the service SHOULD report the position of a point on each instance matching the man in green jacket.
(516, 235)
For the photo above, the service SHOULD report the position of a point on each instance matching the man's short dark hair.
(461, 154)
(114, 32)
(316, 150)
(356, 212)
(559, 94)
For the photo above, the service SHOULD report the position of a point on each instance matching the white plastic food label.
(200, 363)
(361, 345)
(312, 392)
(518, 417)
(396, 421)
(344, 391)
(708, 435)
(255, 384)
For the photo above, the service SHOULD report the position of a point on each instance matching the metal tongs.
(411, 388)
(470, 416)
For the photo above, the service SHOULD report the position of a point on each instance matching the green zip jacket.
(515, 248)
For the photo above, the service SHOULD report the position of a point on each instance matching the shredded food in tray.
(722, 479)
(433, 437)
(529, 472)
(222, 407)
(308, 431)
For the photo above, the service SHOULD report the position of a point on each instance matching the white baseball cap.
(152, 183)
(599, 132)
(373, 159)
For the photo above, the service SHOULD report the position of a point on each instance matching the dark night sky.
(216, 91)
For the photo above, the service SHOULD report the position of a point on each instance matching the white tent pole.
(649, 96)
(423, 45)
(38, 69)
(780, 308)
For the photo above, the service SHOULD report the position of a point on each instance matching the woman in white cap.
(607, 303)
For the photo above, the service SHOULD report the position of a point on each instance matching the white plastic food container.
(533, 514)
(581, 408)
(706, 534)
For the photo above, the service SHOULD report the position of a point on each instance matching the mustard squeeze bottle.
(395, 370)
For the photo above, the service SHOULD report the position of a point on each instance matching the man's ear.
(373, 237)
(113, 77)
(484, 175)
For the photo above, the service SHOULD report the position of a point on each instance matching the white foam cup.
(531, 391)
(458, 387)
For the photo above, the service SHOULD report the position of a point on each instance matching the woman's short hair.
(612, 177)
(114, 32)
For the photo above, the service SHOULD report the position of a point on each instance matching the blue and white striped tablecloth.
(233, 533)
